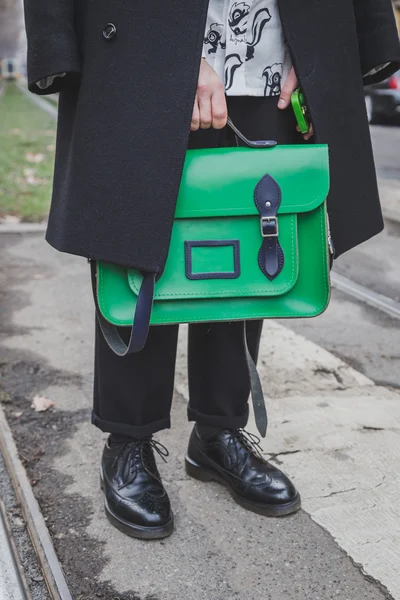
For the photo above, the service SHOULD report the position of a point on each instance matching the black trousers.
(133, 395)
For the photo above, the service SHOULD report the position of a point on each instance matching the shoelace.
(159, 448)
(250, 441)
(133, 451)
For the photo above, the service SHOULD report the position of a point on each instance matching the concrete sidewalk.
(389, 190)
(331, 429)
(386, 145)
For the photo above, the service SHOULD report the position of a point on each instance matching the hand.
(210, 108)
(290, 85)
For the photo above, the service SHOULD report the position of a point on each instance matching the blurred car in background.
(10, 69)
(383, 100)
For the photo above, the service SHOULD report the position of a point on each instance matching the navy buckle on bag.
(269, 227)
(267, 198)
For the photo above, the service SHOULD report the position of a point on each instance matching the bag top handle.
(251, 143)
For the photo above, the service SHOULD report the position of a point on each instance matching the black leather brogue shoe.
(233, 458)
(135, 499)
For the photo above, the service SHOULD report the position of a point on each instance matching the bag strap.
(251, 143)
(257, 395)
(141, 317)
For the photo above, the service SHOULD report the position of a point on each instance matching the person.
(134, 78)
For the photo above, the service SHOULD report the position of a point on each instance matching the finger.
(195, 124)
(219, 109)
(204, 96)
(297, 128)
(310, 133)
(290, 85)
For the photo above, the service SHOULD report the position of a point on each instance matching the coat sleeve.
(378, 39)
(52, 44)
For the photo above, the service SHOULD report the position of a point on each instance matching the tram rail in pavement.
(11, 573)
(12, 583)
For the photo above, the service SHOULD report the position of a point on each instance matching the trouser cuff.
(136, 431)
(218, 421)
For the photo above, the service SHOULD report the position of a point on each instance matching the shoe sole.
(201, 473)
(136, 531)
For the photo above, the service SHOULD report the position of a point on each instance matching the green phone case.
(300, 110)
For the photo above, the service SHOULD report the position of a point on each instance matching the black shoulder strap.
(257, 395)
(141, 317)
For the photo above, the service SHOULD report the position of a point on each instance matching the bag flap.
(221, 181)
(218, 258)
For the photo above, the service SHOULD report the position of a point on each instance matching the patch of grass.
(27, 144)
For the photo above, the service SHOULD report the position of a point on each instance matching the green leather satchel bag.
(249, 241)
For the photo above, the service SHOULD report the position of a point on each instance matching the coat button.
(109, 31)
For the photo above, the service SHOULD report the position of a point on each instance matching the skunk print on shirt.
(245, 45)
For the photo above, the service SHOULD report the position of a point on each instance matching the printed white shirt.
(245, 45)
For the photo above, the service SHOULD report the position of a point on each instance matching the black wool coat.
(126, 102)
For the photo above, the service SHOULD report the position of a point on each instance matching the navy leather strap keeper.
(267, 198)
